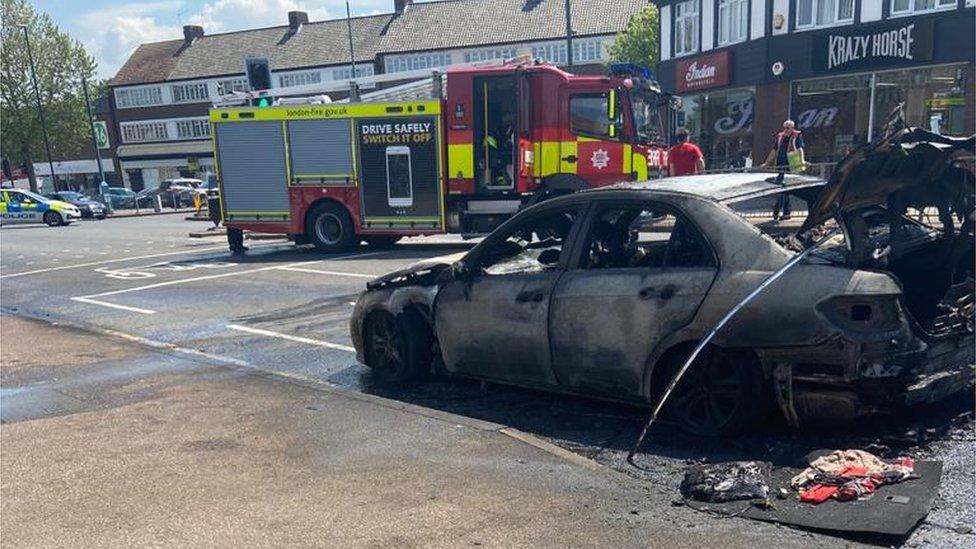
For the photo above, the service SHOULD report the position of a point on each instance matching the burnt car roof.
(721, 187)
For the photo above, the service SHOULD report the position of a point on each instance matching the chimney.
(400, 6)
(191, 33)
(296, 19)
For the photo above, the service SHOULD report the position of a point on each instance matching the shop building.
(161, 95)
(838, 68)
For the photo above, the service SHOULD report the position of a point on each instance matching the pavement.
(156, 389)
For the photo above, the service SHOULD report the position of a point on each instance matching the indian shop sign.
(880, 45)
(703, 72)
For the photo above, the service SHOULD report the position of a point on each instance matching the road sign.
(101, 134)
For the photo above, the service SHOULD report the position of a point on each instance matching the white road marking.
(88, 298)
(336, 273)
(103, 262)
(113, 305)
(298, 339)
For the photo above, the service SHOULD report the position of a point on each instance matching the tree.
(638, 43)
(61, 63)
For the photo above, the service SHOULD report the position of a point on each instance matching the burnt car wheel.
(719, 395)
(395, 349)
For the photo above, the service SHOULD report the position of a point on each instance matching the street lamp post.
(569, 35)
(91, 126)
(40, 108)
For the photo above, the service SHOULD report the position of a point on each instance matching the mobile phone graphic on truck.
(399, 176)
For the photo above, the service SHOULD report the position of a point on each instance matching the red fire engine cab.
(478, 147)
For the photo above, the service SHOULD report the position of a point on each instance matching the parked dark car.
(121, 197)
(89, 207)
(605, 292)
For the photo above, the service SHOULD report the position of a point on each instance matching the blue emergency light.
(631, 69)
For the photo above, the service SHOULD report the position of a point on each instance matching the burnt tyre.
(329, 228)
(721, 394)
(384, 242)
(396, 349)
(53, 219)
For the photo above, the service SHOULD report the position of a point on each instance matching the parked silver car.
(605, 292)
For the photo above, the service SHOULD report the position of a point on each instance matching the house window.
(232, 85)
(686, 27)
(189, 93)
(346, 73)
(488, 54)
(901, 7)
(402, 63)
(820, 13)
(144, 132)
(139, 97)
(299, 79)
(192, 129)
(732, 21)
(587, 50)
(554, 53)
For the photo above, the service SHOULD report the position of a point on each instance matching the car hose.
(714, 331)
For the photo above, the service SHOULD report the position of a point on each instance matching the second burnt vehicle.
(605, 292)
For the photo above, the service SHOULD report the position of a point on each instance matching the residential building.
(836, 67)
(161, 95)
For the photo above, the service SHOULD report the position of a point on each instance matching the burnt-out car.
(605, 292)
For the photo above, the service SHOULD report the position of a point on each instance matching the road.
(283, 311)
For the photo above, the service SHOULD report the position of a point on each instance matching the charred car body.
(604, 293)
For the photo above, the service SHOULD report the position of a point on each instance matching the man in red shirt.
(685, 158)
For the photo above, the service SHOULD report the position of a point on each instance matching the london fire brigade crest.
(600, 159)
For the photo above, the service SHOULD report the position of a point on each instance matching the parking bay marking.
(297, 339)
(89, 298)
(334, 273)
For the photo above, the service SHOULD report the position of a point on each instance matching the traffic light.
(258, 70)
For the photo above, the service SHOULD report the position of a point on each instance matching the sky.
(111, 29)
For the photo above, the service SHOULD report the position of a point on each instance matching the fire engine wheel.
(395, 349)
(329, 227)
(53, 219)
(720, 394)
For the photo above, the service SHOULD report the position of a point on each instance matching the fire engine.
(482, 142)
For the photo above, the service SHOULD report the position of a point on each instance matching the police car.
(20, 206)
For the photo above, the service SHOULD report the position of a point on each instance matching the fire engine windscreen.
(647, 116)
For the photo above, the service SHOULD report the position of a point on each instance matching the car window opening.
(531, 248)
(644, 237)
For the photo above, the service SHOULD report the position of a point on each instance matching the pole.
(569, 35)
(874, 82)
(91, 126)
(352, 54)
(40, 108)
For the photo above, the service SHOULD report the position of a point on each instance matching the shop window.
(822, 13)
(902, 7)
(720, 124)
(934, 98)
(588, 115)
(733, 20)
(686, 27)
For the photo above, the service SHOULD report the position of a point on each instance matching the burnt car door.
(641, 271)
(492, 321)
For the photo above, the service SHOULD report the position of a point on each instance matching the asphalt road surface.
(284, 310)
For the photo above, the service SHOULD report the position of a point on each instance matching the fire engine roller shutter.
(320, 149)
(399, 171)
(252, 169)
